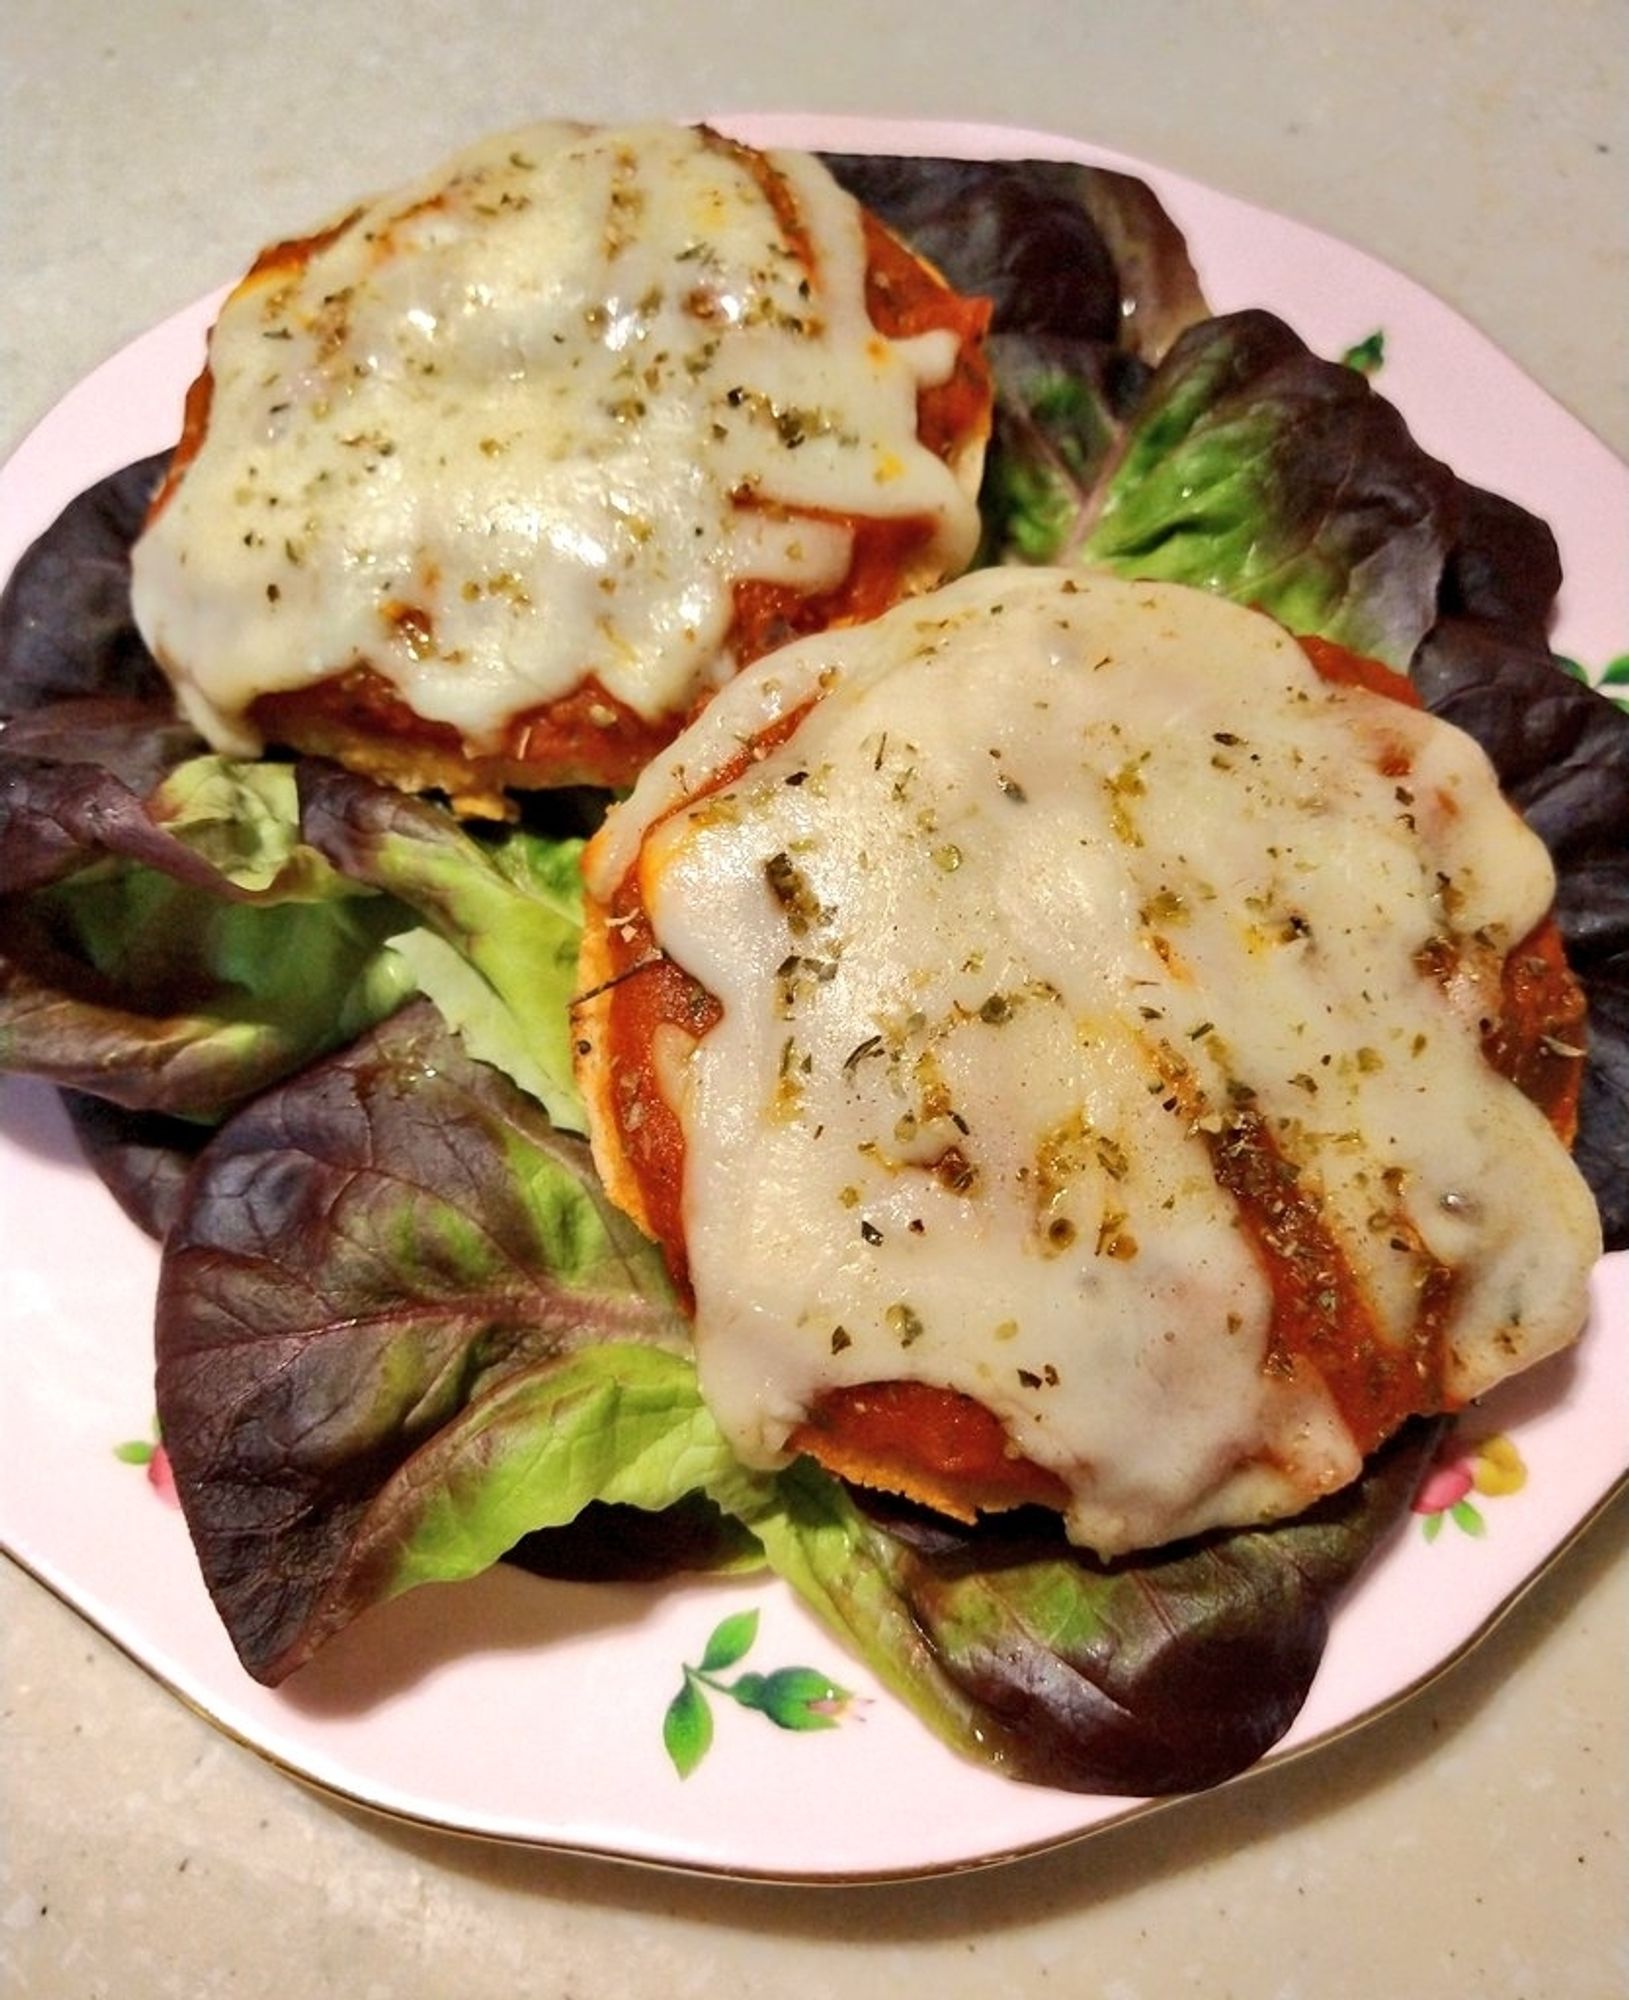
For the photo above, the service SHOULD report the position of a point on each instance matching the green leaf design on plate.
(795, 1698)
(1615, 674)
(1368, 356)
(731, 1641)
(687, 1728)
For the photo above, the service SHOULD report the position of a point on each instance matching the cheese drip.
(531, 420)
(1054, 876)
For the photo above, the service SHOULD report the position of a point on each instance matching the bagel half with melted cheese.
(1074, 1048)
(489, 481)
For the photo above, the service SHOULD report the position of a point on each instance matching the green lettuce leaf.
(393, 1254)
(1163, 1674)
(177, 947)
(1061, 409)
(1256, 470)
(619, 1426)
(1243, 465)
(501, 921)
(243, 820)
(176, 938)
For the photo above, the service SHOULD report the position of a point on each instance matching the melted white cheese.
(522, 402)
(1041, 842)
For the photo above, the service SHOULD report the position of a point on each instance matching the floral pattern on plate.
(1491, 1467)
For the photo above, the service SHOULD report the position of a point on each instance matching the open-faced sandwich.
(491, 481)
(1064, 1042)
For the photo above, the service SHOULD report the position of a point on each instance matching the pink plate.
(532, 1711)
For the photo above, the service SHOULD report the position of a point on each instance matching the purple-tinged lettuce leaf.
(1160, 295)
(74, 780)
(142, 1157)
(1015, 232)
(1503, 572)
(501, 921)
(1090, 282)
(380, 1270)
(194, 1004)
(1167, 1673)
(1058, 248)
(65, 624)
(1061, 408)
(1258, 471)
(1561, 749)
(173, 953)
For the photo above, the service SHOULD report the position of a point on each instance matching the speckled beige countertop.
(1472, 1843)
